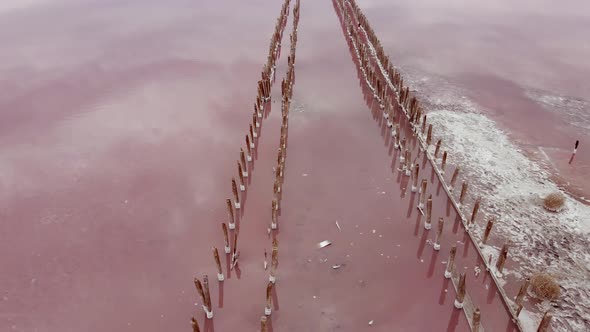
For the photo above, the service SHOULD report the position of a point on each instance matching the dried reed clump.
(544, 286)
(554, 202)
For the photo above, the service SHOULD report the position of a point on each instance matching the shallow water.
(119, 132)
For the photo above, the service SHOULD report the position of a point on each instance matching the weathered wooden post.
(443, 164)
(437, 149)
(220, 276)
(226, 247)
(463, 193)
(422, 195)
(427, 222)
(415, 180)
(429, 136)
(439, 230)
(273, 264)
(502, 258)
(460, 292)
(474, 212)
(268, 306)
(195, 325)
(236, 194)
(451, 262)
(486, 233)
(230, 212)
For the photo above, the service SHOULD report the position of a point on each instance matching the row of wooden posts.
(244, 167)
(287, 94)
(388, 87)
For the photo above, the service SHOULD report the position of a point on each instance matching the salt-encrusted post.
(427, 223)
(268, 306)
(220, 276)
(230, 212)
(226, 246)
(460, 292)
(463, 193)
(437, 149)
(474, 212)
(486, 233)
(415, 180)
(451, 262)
(502, 258)
(443, 164)
(236, 194)
(439, 230)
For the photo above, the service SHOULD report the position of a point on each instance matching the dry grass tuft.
(554, 202)
(545, 287)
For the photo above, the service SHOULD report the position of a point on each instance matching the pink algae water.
(121, 127)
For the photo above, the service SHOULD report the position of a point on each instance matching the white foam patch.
(512, 187)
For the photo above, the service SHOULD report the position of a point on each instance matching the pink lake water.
(120, 124)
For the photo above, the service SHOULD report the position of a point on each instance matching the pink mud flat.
(116, 168)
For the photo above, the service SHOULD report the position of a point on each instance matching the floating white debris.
(304, 174)
(338, 225)
(374, 231)
(371, 322)
(324, 244)
(337, 266)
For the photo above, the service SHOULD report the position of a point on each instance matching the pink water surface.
(120, 126)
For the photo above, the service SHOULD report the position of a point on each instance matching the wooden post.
(243, 158)
(439, 230)
(268, 306)
(415, 180)
(451, 262)
(273, 223)
(234, 255)
(522, 291)
(226, 247)
(263, 325)
(274, 262)
(443, 164)
(429, 136)
(207, 294)
(253, 134)
(486, 233)
(436, 150)
(424, 124)
(474, 213)
(241, 177)
(195, 325)
(408, 163)
(454, 178)
(502, 258)
(476, 320)
(234, 189)
(427, 223)
(422, 194)
(463, 192)
(460, 292)
(545, 321)
(201, 292)
(220, 276)
(518, 309)
(230, 212)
